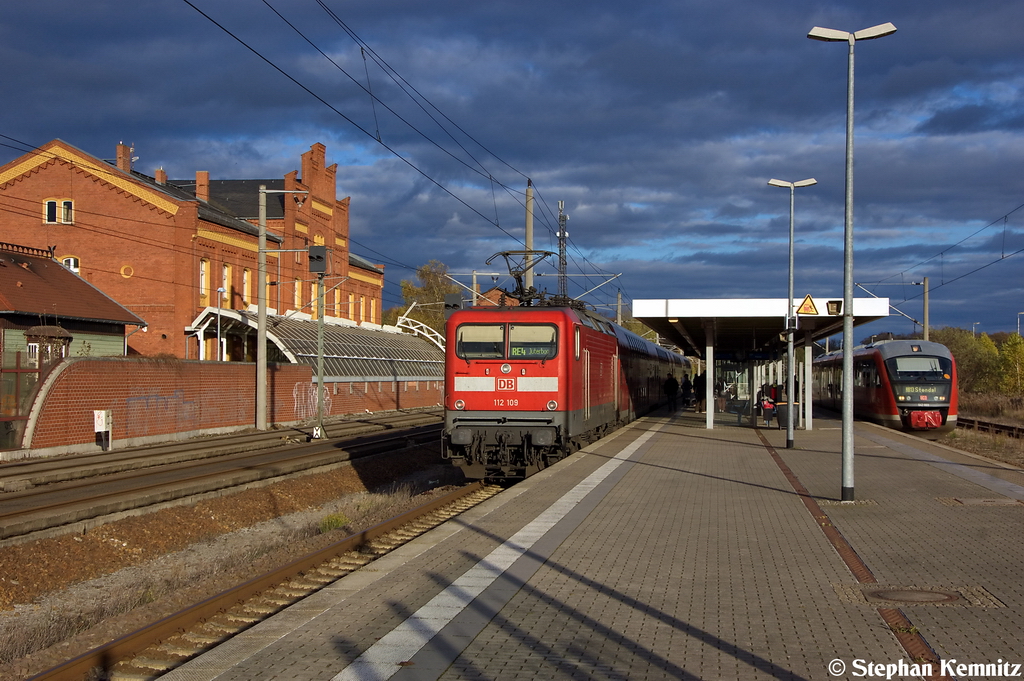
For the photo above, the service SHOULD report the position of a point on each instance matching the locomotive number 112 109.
(501, 402)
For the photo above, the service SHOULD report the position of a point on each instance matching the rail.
(105, 656)
(990, 427)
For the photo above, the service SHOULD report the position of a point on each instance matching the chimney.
(161, 176)
(124, 157)
(203, 185)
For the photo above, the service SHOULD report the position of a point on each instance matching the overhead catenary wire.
(367, 50)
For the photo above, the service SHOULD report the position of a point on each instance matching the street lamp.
(261, 306)
(974, 328)
(1018, 322)
(833, 35)
(220, 299)
(790, 321)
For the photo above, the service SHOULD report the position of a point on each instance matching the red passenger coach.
(902, 384)
(526, 386)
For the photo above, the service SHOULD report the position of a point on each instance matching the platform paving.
(668, 551)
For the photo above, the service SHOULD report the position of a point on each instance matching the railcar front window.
(532, 341)
(920, 368)
(480, 341)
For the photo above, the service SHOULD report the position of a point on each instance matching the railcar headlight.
(460, 405)
(552, 405)
(505, 368)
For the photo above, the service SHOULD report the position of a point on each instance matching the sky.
(658, 123)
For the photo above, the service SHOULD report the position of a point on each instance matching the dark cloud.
(657, 123)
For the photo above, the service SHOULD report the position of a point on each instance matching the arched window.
(204, 280)
(72, 263)
(246, 287)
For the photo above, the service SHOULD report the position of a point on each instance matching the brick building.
(163, 249)
(47, 314)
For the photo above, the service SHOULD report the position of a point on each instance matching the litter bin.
(781, 411)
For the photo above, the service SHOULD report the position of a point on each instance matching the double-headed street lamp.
(790, 321)
(833, 35)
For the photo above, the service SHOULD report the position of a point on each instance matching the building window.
(246, 287)
(225, 282)
(59, 212)
(72, 263)
(204, 283)
(298, 294)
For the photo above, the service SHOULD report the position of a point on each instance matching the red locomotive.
(902, 384)
(526, 386)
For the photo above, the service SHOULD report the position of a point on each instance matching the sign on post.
(103, 424)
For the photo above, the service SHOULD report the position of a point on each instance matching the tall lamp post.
(1018, 322)
(833, 35)
(974, 328)
(790, 321)
(261, 306)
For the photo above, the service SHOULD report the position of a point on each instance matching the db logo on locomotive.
(506, 384)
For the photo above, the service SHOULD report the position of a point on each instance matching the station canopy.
(352, 352)
(751, 328)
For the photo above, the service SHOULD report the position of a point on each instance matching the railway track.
(990, 427)
(25, 473)
(169, 643)
(81, 502)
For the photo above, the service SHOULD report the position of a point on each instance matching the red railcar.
(526, 386)
(907, 385)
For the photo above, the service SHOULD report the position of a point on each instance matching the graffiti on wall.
(145, 412)
(304, 396)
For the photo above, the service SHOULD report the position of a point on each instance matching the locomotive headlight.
(505, 368)
(460, 405)
(552, 405)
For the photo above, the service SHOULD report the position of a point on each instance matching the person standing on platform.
(671, 389)
(686, 391)
(700, 388)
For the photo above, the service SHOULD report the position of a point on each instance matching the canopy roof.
(748, 328)
(352, 352)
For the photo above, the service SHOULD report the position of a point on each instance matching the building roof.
(361, 262)
(32, 283)
(240, 198)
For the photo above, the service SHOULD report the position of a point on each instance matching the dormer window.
(60, 212)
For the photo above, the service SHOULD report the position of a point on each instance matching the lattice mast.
(563, 281)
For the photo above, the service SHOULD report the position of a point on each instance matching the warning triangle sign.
(807, 307)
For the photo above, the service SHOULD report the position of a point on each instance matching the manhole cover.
(913, 596)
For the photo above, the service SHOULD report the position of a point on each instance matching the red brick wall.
(153, 399)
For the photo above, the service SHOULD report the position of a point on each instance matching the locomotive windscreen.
(532, 341)
(525, 341)
(480, 341)
(919, 367)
